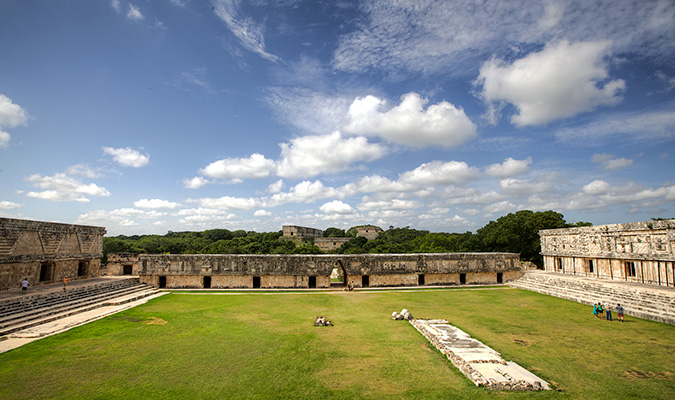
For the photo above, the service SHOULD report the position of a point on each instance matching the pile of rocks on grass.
(403, 315)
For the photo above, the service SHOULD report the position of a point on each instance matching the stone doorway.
(162, 282)
(46, 272)
(338, 277)
(256, 282)
(312, 282)
(207, 282)
(82, 268)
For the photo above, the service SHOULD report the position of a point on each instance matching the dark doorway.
(312, 282)
(162, 282)
(420, 280)
(365, 281)
(45, 272)
(82, 268)
(500, 277)
(127, 269)
(462, 279)
(256, 282)
(207, 282)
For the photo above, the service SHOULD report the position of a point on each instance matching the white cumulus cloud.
(11, 116)
(309, 156)
(9, 205)
(409, 123)
(438, 172)
(609, 163)
(155, 203)
(562, 80)
(235, 169)
(337, 207)
(195, 183)
(61, 187)
(509, 168)
(127, 156)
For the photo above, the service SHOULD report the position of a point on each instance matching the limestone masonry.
(636, 252)
(45, 252)
(313, 271)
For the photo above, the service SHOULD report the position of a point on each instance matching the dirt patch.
(156, 321)
(648, 374)
(523, 342)
(126, 318)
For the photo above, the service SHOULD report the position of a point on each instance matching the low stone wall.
(478, 362)
(303, 271)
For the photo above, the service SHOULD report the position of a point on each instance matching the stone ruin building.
(314, 271)
(636, 252)
(301, 233)
(45, 252)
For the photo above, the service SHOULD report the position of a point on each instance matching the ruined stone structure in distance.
(313, 271)
(45, 252)
(636, 252)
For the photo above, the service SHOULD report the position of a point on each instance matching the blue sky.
(146, 116)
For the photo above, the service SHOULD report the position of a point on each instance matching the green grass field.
(201, 346)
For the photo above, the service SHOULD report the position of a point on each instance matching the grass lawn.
(201, 346)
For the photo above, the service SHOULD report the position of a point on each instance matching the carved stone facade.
(292, 232)
(45, 252)
(313, 271)
(369, 232)
(331, 243)
(637, 252)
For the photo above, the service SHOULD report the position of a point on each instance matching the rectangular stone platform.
(478, 362)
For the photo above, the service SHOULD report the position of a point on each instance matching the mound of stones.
(403, 315)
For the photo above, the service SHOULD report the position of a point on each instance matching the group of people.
(25, 284)
(599, 310)
(349, 287)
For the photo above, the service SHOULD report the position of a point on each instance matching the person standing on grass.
(608, 310)
(600, 311)
(65, 283)
(595, 309)
(24, 285)
(619, 312)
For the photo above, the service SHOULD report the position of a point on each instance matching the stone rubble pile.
(403, 315)
(478, 362)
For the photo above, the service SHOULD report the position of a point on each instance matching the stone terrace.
(655, 303)
(48, 303)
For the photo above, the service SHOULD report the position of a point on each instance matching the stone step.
(657, 306)
(40, 300)
(71, 303)
(63, 314)
(660, 300)
(623, 297)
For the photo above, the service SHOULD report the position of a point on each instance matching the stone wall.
(369, 232)
(330, 243)
(301, 271)
(292, 231)
(638, 252)
(45, 252)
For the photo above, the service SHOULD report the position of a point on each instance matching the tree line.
(513, 233)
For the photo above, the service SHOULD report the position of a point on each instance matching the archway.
(338, 277)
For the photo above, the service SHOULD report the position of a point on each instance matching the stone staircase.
(32, 310)
(642, 301)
